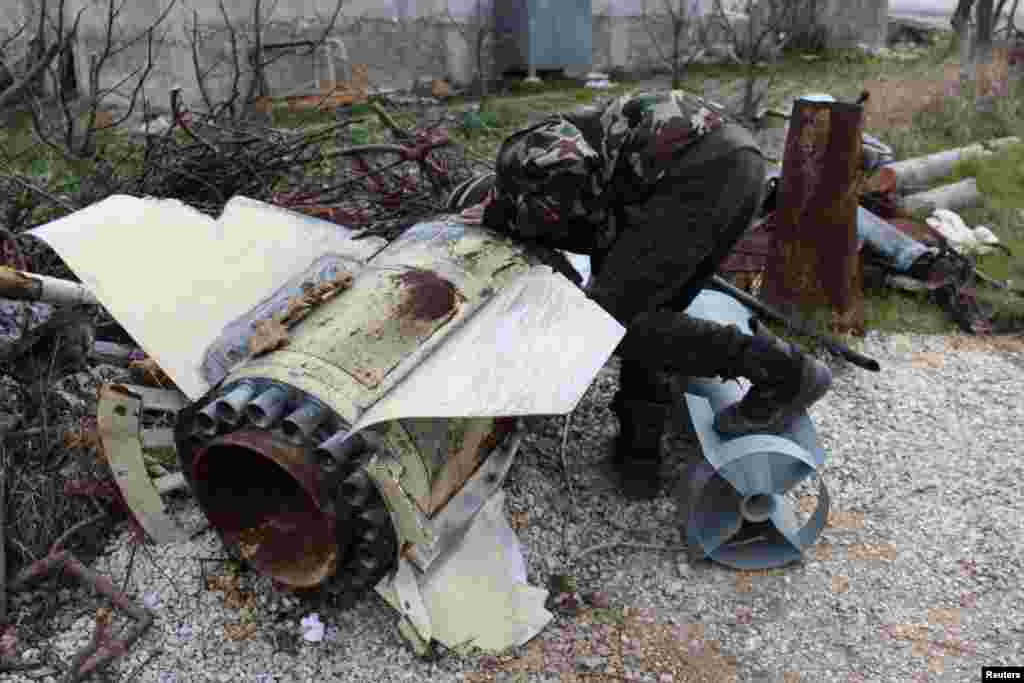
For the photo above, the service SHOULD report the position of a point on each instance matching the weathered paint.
(815, 224)
(118, 421)
(732, 503)
(421, 285)
(411, 525)
(415, 478)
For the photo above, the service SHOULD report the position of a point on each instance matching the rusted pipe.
(262, 494)
(267, 408)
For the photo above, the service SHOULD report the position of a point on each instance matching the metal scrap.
(119, 422)
(733, 504)
(266, 246)
(815, 222)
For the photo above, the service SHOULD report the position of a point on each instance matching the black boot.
(638, 459)
(785, 381)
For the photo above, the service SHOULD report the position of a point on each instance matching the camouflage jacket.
(559, 189)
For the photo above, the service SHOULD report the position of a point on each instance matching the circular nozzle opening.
(757, 508)
(257, 415)
(260, 495)
(226, 412)
(205, 422)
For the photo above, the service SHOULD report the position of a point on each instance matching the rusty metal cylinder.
(263, 497)
(230, 409)
(266, 409)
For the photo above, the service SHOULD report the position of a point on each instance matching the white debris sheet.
(174, 277)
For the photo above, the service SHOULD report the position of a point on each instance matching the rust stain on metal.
(263, 497)
(428, 296)
(408, 551)
(817, 260)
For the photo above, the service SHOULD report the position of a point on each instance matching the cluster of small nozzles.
(265, 410)
(341, 458)
(372, 548)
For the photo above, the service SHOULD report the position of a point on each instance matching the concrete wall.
(855, 21)
(399, 40)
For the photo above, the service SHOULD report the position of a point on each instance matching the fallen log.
(954, 197)
(920, 172)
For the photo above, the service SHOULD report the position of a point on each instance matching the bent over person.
(656, 188)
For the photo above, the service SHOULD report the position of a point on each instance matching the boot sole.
(816, 381)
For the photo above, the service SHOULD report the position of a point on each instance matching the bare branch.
(200, 75)
(15, 91)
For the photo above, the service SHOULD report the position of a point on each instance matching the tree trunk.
(920, 172)
(983, 39)
(1011, 20)
(480, 70)
(983, 53)
(677, 29)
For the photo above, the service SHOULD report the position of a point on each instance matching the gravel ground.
(916, 578)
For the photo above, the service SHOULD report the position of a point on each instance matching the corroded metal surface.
(817, 260)
(263, 496)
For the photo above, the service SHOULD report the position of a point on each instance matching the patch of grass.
(285, 117)
(955, 121)
(898, 311)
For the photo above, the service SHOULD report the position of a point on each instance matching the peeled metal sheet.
(733, 503)
(476, 594)
(175, 278)
(533, 349)
(118, 416)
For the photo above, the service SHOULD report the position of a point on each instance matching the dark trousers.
(669, 246)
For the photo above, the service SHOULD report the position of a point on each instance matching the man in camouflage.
(656, 188)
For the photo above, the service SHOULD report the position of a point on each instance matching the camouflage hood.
(554, 187)
(643, 132)
(550, 185)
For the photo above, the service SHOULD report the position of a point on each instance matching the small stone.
(598, 600)
(591, 663)
(666, 678)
